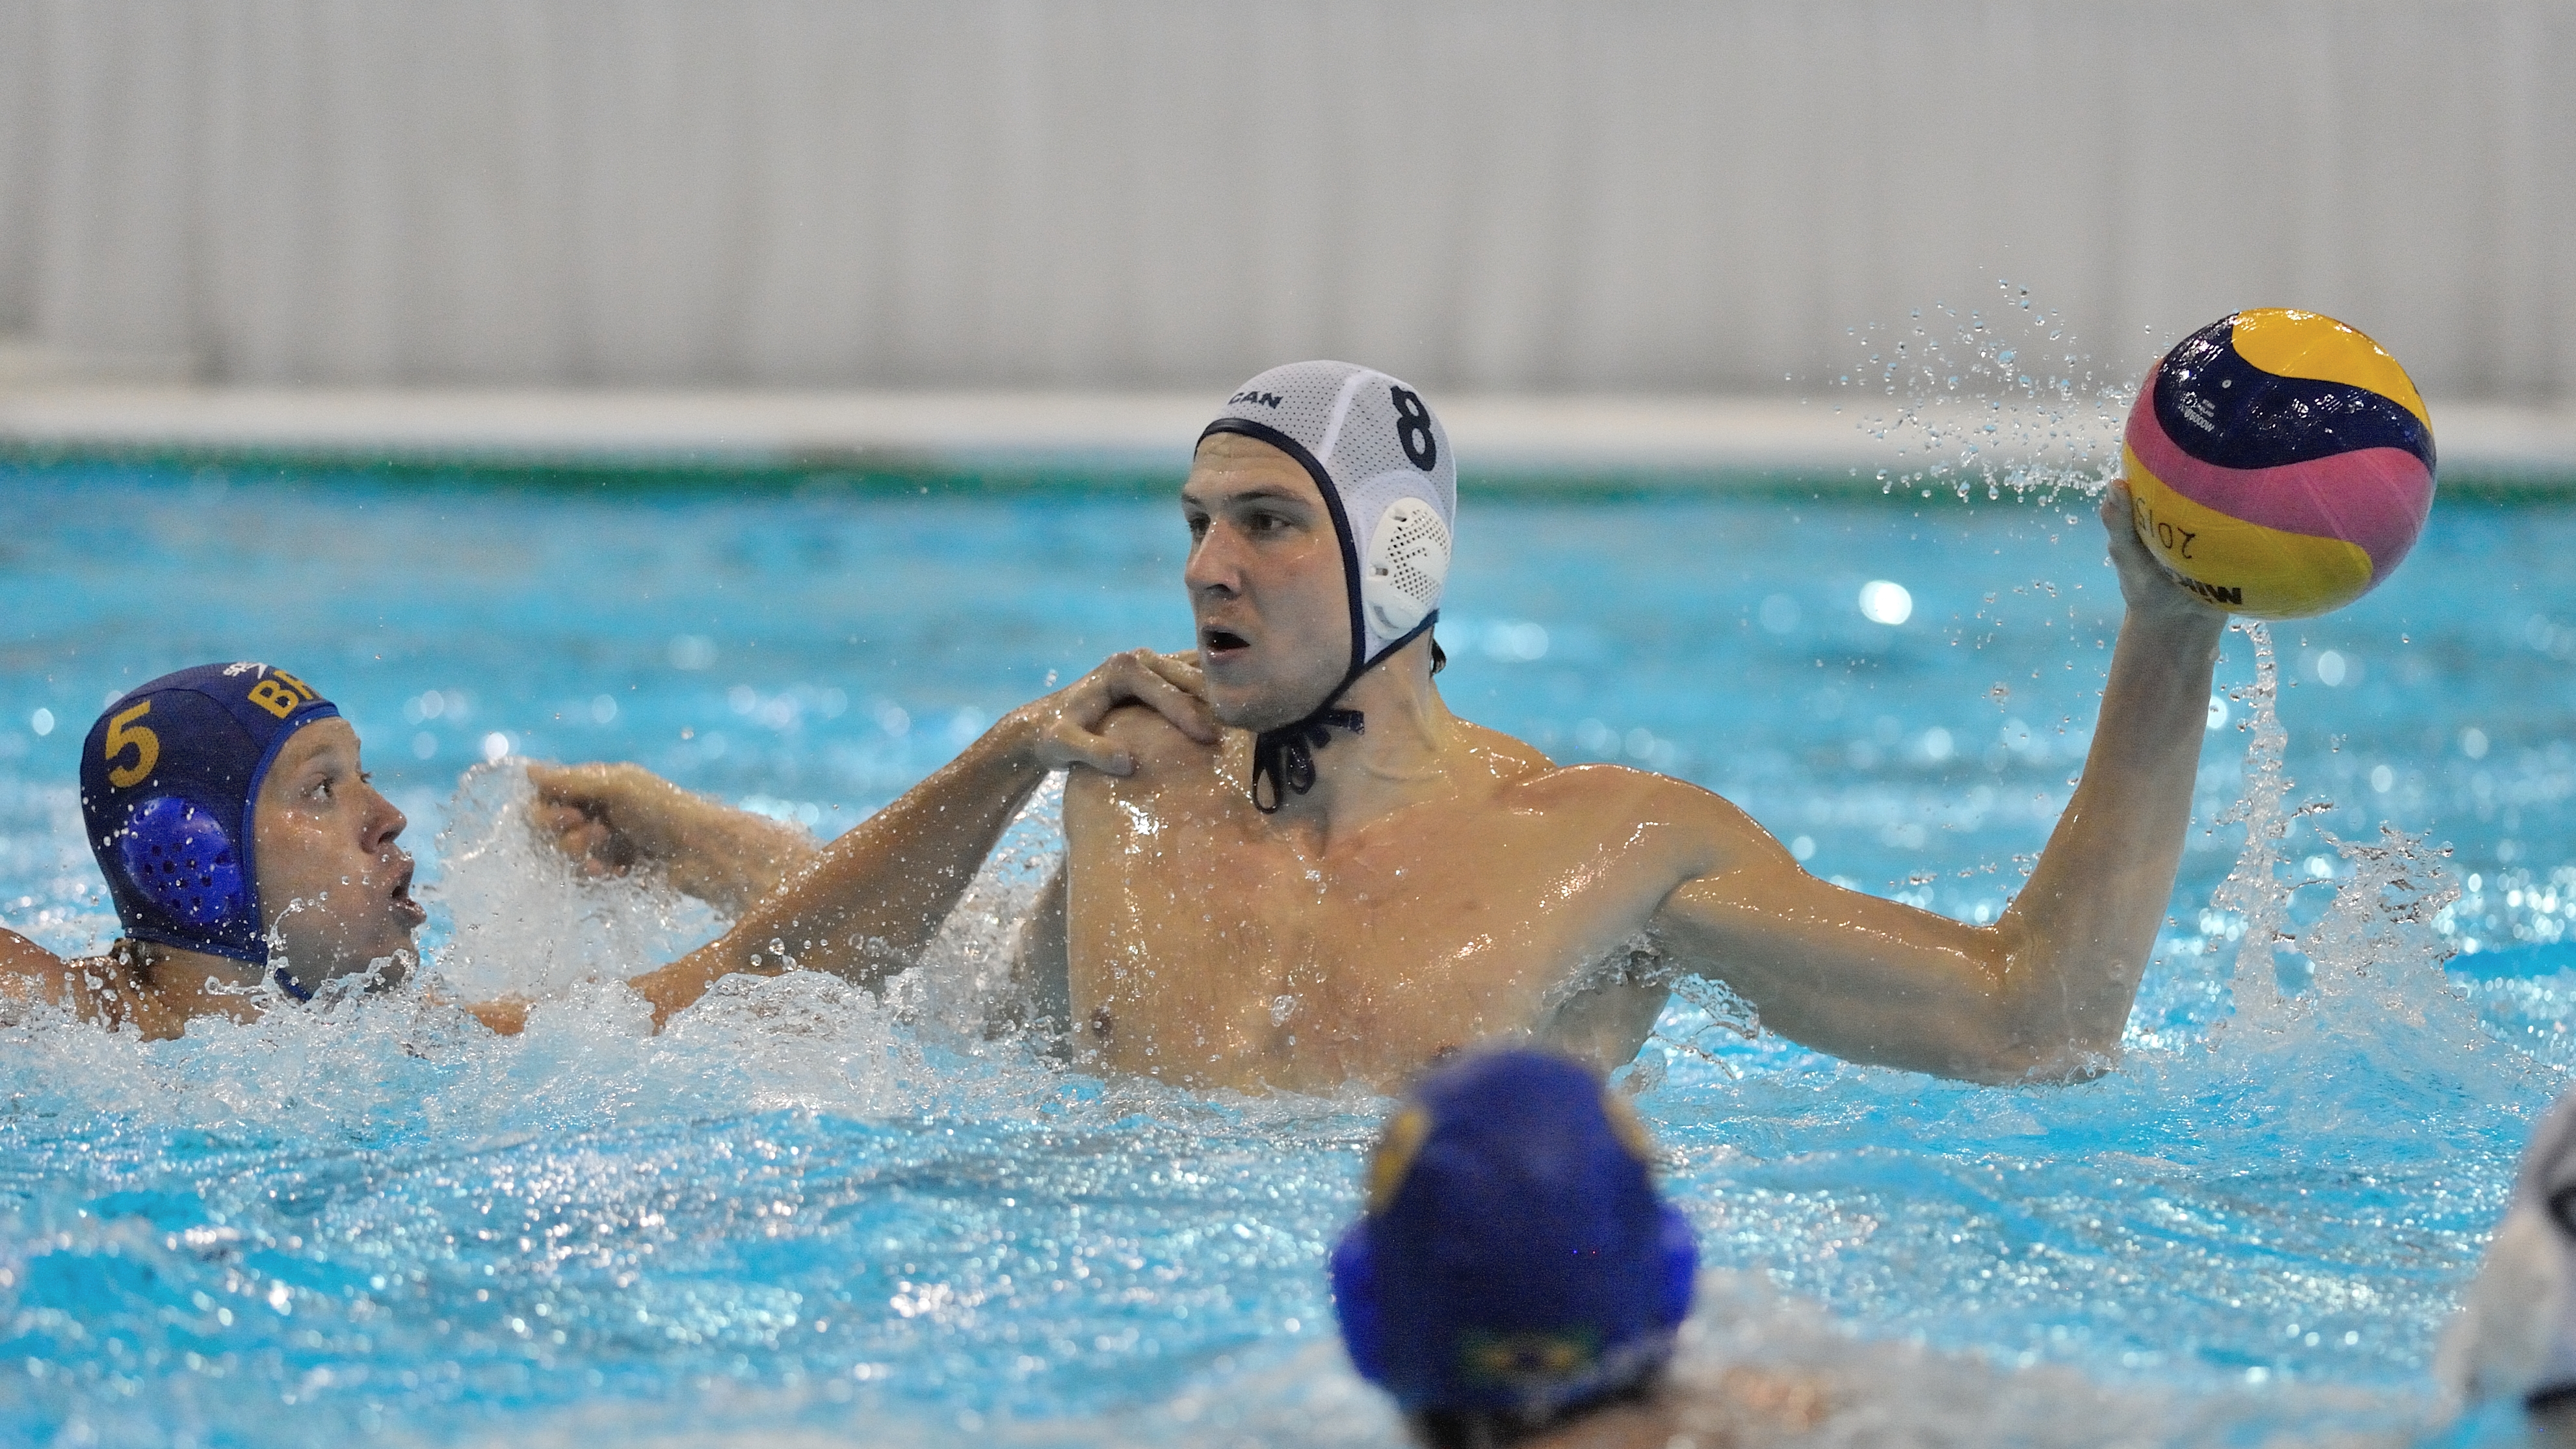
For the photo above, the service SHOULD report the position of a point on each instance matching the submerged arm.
(2047, 988)
(871, 900)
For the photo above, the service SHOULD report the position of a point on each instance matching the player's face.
(333, 886)
(1265, 581)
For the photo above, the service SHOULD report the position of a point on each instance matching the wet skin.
(1444, 883)
(334, 887)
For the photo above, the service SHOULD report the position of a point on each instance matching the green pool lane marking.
(891, 473)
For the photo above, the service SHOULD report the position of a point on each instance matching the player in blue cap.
(242, 845)
(249, 857)
(1515, 1277)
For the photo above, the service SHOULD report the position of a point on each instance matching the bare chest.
(1207, 953)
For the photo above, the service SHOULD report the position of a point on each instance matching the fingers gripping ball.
(2280, 464)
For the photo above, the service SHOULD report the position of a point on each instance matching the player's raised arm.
(2046, 990)
(611, 818)
(871, 900)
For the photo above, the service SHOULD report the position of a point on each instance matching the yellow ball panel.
(2286, 342)
(2245, 568)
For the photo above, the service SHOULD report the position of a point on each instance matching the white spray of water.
(1997, 398)
(523, 919)
(2374, 958)
(962, 989)
(2253, 891)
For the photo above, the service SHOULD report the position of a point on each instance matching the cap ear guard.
(1407, 565)
(181, 859)
(1355, 1303)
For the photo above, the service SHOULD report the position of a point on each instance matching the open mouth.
(1216, 644)
(411, 911)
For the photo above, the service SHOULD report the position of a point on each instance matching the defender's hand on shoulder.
(2145, 587)
(1070, 726)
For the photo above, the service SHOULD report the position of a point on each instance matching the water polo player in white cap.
(2514, 1339)
(1354, 880)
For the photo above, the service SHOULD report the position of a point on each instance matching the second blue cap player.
(1517, 1279)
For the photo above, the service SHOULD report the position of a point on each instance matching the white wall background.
(1666, 195)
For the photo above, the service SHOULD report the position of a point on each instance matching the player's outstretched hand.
(1066, 725)
(2144, 584)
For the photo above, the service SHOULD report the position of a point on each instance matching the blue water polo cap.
(168, 778)
(1514, 1254)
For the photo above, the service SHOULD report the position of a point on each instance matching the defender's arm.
(2047, 989)
(872, 899)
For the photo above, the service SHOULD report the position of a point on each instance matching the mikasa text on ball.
(2280, 463)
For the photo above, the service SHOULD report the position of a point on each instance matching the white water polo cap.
(1383, 464)
(2515, 1334)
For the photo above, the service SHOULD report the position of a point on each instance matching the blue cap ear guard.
(1515, 1254)
(169, 775)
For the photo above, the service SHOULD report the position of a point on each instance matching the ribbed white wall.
(1548, 194)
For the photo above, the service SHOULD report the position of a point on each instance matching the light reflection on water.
(805, 1211)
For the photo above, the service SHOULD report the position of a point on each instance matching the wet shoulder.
(1528, 780)
(1615, 796)
(1512, 760)
(1166, 759)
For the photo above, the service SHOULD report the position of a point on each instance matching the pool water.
(810, 1215)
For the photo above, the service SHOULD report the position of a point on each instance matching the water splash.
(509, 913)
(2253, 898)
(1708, 1007)
(964, 988)
(1999, 398)
(2378, 942)
(2368, 971)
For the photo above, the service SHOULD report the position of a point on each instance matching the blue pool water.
(807, 1215)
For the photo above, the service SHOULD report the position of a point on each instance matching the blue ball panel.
(2225, 411)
